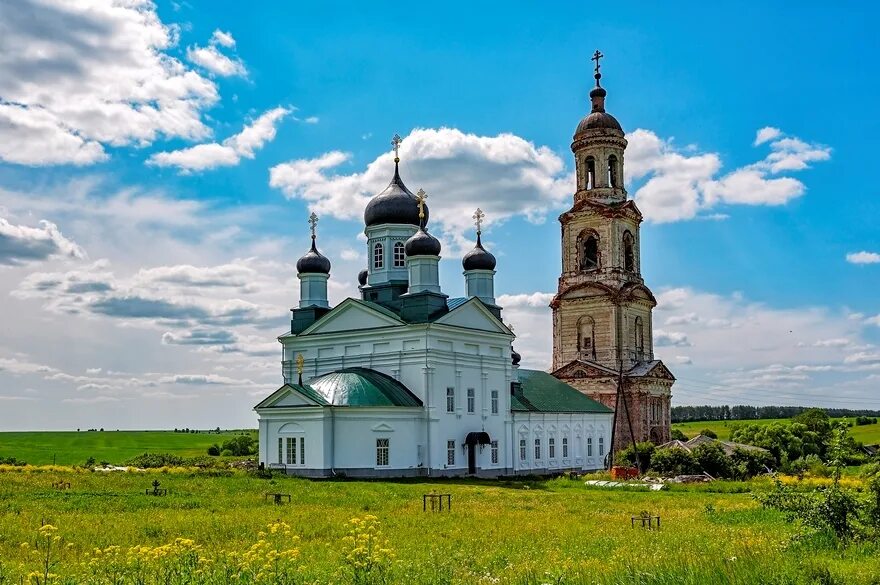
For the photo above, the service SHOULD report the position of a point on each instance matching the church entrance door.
(472, 459)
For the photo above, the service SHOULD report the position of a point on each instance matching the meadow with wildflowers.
(217, 527)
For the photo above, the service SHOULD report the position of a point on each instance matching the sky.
(158, 162)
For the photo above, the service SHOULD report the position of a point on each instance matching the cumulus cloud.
(213, 60)
(228, 153)
(863, 257)
(85, 75)
(674, 184)
(461, 169)
(670, 339)
(21, 244)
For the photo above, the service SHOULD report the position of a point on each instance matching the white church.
(405, 381)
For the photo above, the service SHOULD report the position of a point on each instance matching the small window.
(565, 447)
(399, 256)
(378, 256)
(522, 449)
(450, 399)
(589, 446)
(382, 448)
(450, 452)
(471, 400)
(551, 447)
(494, 451)
(537, 449)
(590, 253)
(629, 259)
(302, 450)
(494, 401)
(291, 451)
(601, 446)
(280, 450)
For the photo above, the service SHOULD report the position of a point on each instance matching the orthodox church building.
(406, 381)
(602, 326)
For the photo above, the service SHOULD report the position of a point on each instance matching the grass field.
(867, 434)
(556, 531)
(73, 448)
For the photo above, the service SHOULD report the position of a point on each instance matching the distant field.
(868, 434)
(74, 448)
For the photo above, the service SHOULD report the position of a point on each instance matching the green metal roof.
(540, 392)
(362, 387)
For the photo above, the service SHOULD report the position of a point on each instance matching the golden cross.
(300, 364)
(313, 223)
(596, 56)
(420, 197)
(478, 216)
(395, 142)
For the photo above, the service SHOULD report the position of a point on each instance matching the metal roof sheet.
(362, 387)
(541, 392)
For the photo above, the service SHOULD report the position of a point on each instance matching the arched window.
(613, 177)
(629, 259)
(587, 337)
(589, 252)
(639, 336)
(590, 172)
(378, 256)
(399, 255)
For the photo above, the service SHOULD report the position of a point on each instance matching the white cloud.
(21, 244)
(836, 342)
(670, 339)
(875, 320)
(85, 75)
(212, 155)
(461, 170)
(213, 60)
(863, 257)
(676, 184)
(767, 134)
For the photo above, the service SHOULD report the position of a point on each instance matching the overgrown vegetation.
(744, 412)
(238, 446)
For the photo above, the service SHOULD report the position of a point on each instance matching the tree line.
(746, 412)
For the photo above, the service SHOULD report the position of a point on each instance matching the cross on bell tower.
(395, 143)
(313, 223)
(478, 220)
(596, 56)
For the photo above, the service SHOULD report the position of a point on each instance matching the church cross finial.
(395, 142)
(300, 364)
(420, 198)
(596, 56)
(478, 219)
(313, 223)
(511, 327)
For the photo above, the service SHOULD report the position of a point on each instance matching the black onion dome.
(515, 358)
(313, 262)
(396, 204)
(362, 276)
(422, 244)
(478, 258)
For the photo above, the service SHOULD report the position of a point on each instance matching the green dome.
(362, 387)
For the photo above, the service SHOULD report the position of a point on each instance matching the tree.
(673, 461)
(711, 459)
(709, 433)
(240, 445)
(677, 435)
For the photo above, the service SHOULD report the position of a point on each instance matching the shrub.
(12, 461)
(673, 461)
(748, 463)
(711, 459)
(153, 460)
(214, 450)
(240, 445)
(709, 433)
(677, 435)
(628, 456)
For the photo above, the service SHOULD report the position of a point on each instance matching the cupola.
(479, 267)
(313, 271)
(423, 254)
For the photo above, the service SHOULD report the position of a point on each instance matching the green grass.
(867, 434)
(522, 532)
(74, 448)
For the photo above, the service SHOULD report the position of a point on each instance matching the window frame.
(551, 448)
(523, 449)
(493, 452)
(471, 400)
(601, 446)
(450, 452)
(378, 256)
(450, 399)
(537, 448)
(494, 401)
(565, 447)
(398, 255)
(383, 451)
(589, 446)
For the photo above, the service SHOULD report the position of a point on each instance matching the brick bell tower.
(602, 329)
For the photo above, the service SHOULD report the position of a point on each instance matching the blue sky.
(177, 149)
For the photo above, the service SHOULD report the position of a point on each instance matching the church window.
(591, 172)
(589, 446)
(565, 447)
(471, 400)
(522, 449)
(450, 452)
(494, 401)
(537, 448)
(639, 337)
(302, 450)
(399, 256)
(601, 446)
(291, 451)
(450, 399)
(280, 450)
(551, 447)
(382, 449)
(629, 261)
(494, 452)
(586, 340)
(590, 252)
(378, 256)
(613, 178)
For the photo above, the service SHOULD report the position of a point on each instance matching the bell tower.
(602, 312)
